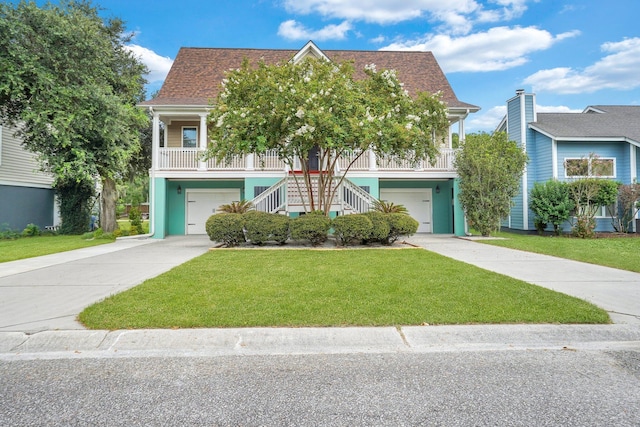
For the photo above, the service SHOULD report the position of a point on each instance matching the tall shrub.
(550, 203)
(490, 168)
(75, 209)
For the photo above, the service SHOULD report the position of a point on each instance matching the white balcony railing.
(191, 159)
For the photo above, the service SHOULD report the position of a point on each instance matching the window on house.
(189, 137)
(596, 167)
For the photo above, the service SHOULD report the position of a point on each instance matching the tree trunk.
(108, 206)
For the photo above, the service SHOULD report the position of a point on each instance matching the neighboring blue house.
(553, 140)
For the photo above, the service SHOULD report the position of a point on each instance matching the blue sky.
(570, 53)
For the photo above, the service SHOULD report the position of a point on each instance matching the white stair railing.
(355, 198)
(273, 199)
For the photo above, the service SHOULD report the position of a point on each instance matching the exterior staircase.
(287, 196)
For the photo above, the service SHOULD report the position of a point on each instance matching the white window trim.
(564, 162)
(182, 135)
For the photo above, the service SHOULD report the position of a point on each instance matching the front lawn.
(616, 252)
(365, 287)
(28, 247)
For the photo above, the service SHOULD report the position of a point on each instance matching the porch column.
(203, 140)
(251, 162)
(155, 141)
(459, 219)
(373, 161)
(461, 137)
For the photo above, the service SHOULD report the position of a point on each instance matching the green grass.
(125, 225)
(366, 287)
(616, 252)
(28, 247)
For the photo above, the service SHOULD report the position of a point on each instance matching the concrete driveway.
(47, 293)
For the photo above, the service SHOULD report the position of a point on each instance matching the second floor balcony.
(192, 159)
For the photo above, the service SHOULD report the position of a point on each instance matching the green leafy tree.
(72, 86)
(490, 168)
(318, 105)
(550, 202)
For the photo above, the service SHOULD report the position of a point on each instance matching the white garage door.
(416, 200)
(201, 204)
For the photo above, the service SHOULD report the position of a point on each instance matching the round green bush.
(226, 228)
(263, 226)
(348, 228)
(380, 226)
(400, 225)
(312, 227)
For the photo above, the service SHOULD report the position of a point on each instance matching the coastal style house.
(26, 196)
(553, 141)
(186, 190)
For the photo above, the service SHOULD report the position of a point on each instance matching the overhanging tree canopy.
(293, 108)
(71, 85)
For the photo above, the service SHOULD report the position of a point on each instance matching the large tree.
(71, 86)
(315, 104)
(490, 169)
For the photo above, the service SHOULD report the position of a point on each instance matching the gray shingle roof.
(597, 121)
(196, 74)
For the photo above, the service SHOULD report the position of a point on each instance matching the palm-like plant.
(389, 207)
(236, 207)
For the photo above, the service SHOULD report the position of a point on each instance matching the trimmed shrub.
(313, 227)
(348, 228)
(135, 218)
(31, 230)
(400, 225)
(550, 203)
(380, 227)
(263, 226)
(226, 228)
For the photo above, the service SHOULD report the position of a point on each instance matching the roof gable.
(196, 75)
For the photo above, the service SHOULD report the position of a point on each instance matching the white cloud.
(617, 70)
(499, 48)
(158, 65)
(379, 39)
(456, 16)
(489, 120)
(293, 30)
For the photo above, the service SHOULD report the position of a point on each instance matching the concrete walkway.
(41, 297)
(617, 291)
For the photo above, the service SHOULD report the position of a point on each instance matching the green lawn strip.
(28, 247)
(371, 287)
(616, 252)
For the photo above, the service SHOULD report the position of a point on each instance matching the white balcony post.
(202, 165)
(155, 143)
(250, 162)
(461, 131)
(373, 162)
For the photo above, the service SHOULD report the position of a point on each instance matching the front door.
(314, 159)
(202, 203)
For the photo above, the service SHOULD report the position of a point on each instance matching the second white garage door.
(202, 203)
(416, 200)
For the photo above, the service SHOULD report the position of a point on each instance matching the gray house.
(25, 192)
(554, 140)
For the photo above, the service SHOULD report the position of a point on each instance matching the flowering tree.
(318, 105)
